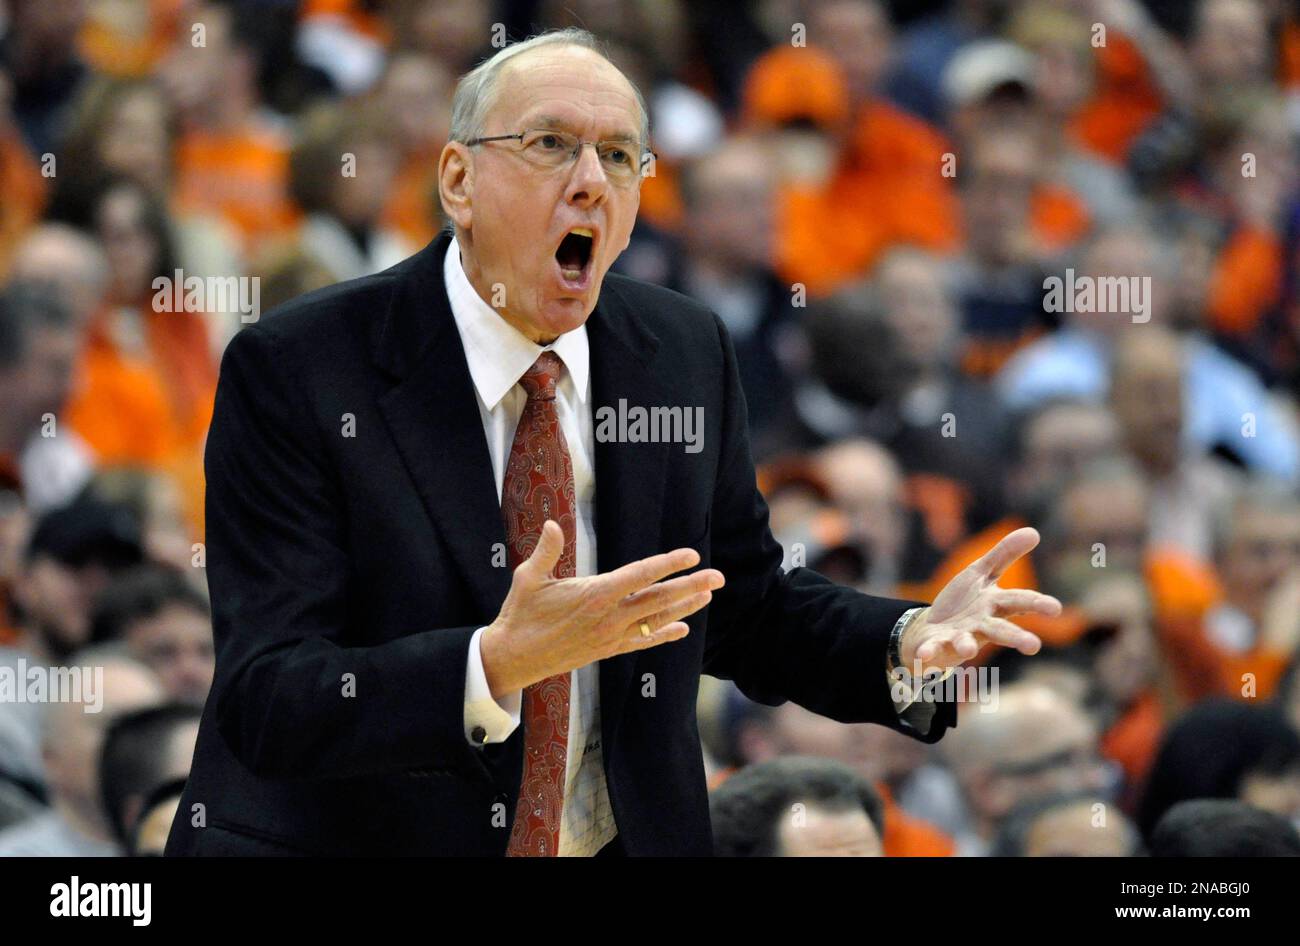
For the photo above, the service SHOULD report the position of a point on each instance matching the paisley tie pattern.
(539, 486)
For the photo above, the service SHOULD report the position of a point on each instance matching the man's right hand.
(549, 626)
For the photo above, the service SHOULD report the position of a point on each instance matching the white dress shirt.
(498, 356)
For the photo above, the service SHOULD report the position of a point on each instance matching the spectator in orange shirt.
(147, 377)
(230, 159)
(867, 174)
(1249, 635)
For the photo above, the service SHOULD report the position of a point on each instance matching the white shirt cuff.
(486, 720)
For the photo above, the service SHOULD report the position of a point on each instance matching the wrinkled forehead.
(569, 88)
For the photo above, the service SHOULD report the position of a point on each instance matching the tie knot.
(539, 380)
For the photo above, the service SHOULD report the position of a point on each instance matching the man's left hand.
(972, 611)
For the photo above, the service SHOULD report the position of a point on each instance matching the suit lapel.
(629, 476)
(433, 416)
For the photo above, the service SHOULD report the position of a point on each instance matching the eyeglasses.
(551, 149)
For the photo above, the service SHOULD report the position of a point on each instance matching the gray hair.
(477, 90)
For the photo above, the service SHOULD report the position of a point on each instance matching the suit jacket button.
(479, 735)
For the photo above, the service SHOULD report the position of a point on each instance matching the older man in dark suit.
(477, 524)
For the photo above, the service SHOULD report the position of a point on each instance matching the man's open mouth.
(574, 255)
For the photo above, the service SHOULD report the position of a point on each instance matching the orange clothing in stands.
(24, 193)
(1124, 102)
(1133, 739)
(1247, 280)
(412, 207)
(241, 177)
(1058, 217)
(352, 12)
(151, 408)
(110, 47)
(907, 836)
(887, 187)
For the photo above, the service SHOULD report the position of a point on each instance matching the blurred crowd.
(875, 198)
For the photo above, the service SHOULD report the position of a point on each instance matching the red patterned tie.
(539, 486)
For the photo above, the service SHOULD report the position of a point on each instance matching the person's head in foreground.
(797, 806)
(1072, 825)
(1225, 749)
(1210, 827)
(166, 624)
(1037, 743)
(143, 750)
(539, 216)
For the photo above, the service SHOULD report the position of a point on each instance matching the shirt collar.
(497, 353)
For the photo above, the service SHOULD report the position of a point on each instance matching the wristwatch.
(896, 637)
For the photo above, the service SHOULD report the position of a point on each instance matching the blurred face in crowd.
(996, 198)
(918, 306)
(39, 383)
(730, 210)
(131, 249)
(1058, 443)
(69, 262)
(1275, 792)
(56, 600)
(453, 31)
(1106, 510)
(175, 764)
(1123, 253)
(358, 201)
(865, 483)
(216, 72)
(1147, 398)
(416, 93)
(513, 215)
(1037, 743)
(858, 34)
(1118, 608)
(827, 832)
(73, 737)
(154, 828)
(176, 644)
(1263, 546)
(135, 141)
(1085, 828)
(1063, 76)
(1230, 42)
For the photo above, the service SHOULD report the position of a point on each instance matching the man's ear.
(456, 184)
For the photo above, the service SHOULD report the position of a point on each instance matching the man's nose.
(588, 182)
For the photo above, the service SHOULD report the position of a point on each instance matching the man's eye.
(550, 142)
(618, 156)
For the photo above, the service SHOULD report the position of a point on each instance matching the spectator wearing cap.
(878, 181)
(797, 806)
